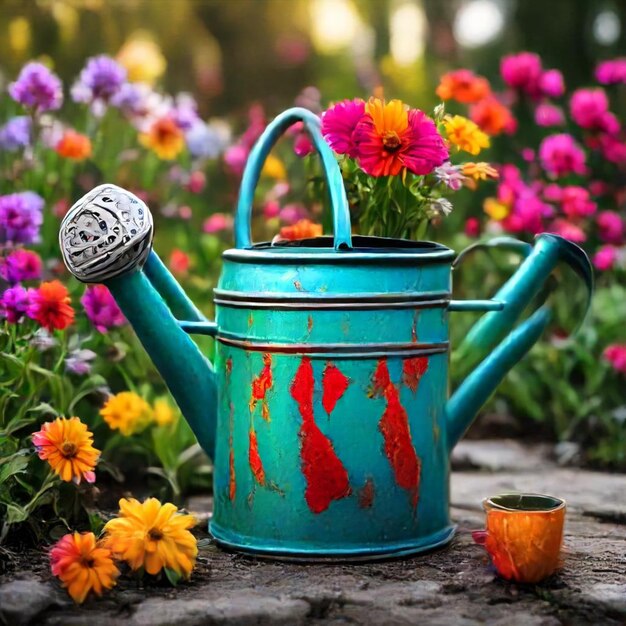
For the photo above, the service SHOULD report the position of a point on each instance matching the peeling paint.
(325, 475)
(366, 494)
(232, 480)
(394, 426)
(412, 370)
(334, 385)
(250, 320)
(298, 285)
(414, 327)
(261, 384)
(256, 465)
(309, 324)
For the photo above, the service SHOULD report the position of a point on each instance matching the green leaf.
(172, 576)
(16, 464)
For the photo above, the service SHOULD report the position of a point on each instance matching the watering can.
(326, 408)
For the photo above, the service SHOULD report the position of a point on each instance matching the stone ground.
(454, 586)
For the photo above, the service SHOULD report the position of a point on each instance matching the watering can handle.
(254, 165)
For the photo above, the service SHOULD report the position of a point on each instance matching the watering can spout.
(492, 338)
(106, 238)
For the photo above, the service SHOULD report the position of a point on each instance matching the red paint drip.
(325, 475)
(412, 370)
(261, 384)
(334, 385)
(366, 494)
(232, 482)
(256, 465)
(229, 365)
(394, 426)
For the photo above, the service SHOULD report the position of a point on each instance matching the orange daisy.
(74, 146)
(67, 446)
(492, 116)
(50, 305)
(82, 565)
(463, 86)
(165, 138)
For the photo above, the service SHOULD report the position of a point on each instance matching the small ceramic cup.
(523, 535)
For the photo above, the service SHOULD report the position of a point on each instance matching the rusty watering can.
(326, 409)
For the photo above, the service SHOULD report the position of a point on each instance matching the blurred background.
(232, 52)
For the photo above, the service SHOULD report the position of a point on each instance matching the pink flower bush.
(560, 155)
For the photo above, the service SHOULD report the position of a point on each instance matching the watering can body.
(326, 410)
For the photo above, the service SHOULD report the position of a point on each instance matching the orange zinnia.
(479, 171)
(82, 565)
(67, 445)
(165, 138)
(302, 229)
(492, 116)
(463, 86)
(74, 146)
(50, 305)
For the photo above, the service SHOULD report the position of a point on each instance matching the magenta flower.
(450, 175)
(292, 213)
(590, 110)
(15, 134)
(561, 155)
(339, 124)
(615, 354)
(568, 230)
(610, 227)
(37, 88)
(612, 149)
(14, 303)
(99, 81)
(235, 158)
(217, 223)
(549, 115)
(302, 145)
(604, 259)
(522, 71)
(577, 203)
(101, 308)
(553, 193)
(472, 227)
(611, 72)
(551, 84)
(20, 265)
(20, 217)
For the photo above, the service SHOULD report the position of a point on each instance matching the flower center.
(69, 449)
(391, 141)
(87, 561)
(155, 534)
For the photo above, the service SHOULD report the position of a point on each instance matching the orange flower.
(179, 262)
(302, 229)
(74, 146)
(492, 116)
(67, 446)
(479, 171)
(153, 535)
(495, 209)
(50, 305)
(165, 138)
(464, 134)
(463, 86)
(82, 565)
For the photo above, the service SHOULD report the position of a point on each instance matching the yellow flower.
(163, 412)
(274, 168)
(479, 171)
(67, 446)
(495, 209)
(464, 134)
(83, 565)
(152, 535)
(142, 59)
(165, 138)
(126, 412)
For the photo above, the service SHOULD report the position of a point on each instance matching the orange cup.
(524, 535)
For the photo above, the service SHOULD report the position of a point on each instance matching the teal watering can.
(326, 409)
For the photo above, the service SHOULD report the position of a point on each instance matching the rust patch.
(394, 426)
(412, 370)
(229, 366)
(261, 384)
(256, 465)
(414, 328)
(250, 320)
(325, 475)
(298, 285)
(334, 385)
(366, 494)
(232, 481)
(309, 324)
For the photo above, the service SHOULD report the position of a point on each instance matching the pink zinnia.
(14, 303)
(20, 265)
(235, 158)
(568, 230)
(610, 227)
(549, 115)
(590, 110)
(576, 202)
(522, 71)
(339, 123)
(552, 84)
(615, 354)
(611, 72)
(612, 149)
(217, 223)
(561, 155)
(604, 259)
(472, 227)
(101, 308)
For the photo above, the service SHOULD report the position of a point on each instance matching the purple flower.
(552, 84)
(204, 141)
(79, 362)
(549, 115)
(561, 155)
(101, 308)
(20, 265)
(98, 82)
(450, 175)
(185, 111)
(14, 303)
(611, 72)
(20, 217)
(15, 134)
(38, 88)
(42, 340)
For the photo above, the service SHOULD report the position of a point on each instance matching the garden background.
(218, 71)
